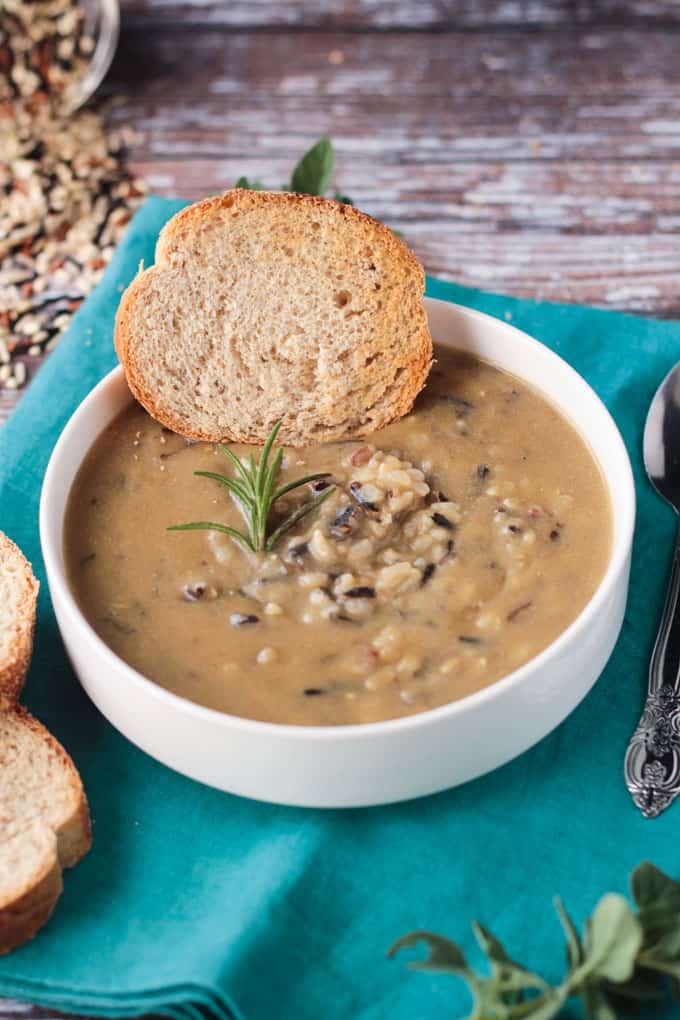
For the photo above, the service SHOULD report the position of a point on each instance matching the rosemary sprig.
(254, 490)
(626, 959)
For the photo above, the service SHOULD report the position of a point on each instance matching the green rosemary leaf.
(300, 481)
(241, 468)
(261, 472)
(213, 526)
(255, 493)
(296, 516)
(272, 474)
(237, 488)
(270, 481)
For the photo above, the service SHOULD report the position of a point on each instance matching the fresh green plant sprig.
(254, 490)
(624, 961)
(311, 176)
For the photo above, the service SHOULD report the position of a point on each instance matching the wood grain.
(520, 157)
(535, 163)
(414, 15)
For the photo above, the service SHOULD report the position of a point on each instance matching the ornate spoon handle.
(652, 765)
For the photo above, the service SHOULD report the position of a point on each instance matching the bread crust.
(15, 665)
(26, 904)
(30, 908)
(170, 245)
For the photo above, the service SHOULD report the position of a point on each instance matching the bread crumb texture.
(268, 306)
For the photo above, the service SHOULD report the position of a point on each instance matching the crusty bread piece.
(267, 306)
(18, 593)
(44, 820)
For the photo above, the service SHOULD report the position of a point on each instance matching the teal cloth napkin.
(193, 900)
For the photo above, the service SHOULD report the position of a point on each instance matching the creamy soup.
(456, 545)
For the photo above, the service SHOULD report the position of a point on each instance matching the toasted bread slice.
(268, 306)
(44, 824)
(44, 820)
(18, 594)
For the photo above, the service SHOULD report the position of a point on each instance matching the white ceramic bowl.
(377, 762)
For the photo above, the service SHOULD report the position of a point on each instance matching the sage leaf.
(643, 986)
(574, 947)
(613, 969)
(444, 955)
(510, 974)
(658, 898)
(312, 175)
(664, 965)
(613, 940)
(603, 1011)
(669, 944)
(653, 889)
(541, 1009)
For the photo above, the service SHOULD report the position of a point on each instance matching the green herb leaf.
(296, 516)
(241, 468)
(658, 897)
(508, 973)
(238, 489)
(443, 953)
(255, 493)
(613, 968)
(212, 526)
(249, 185)
(574, 947)
(300, 481)
(312, 175)
(613, 939)
(653, 889)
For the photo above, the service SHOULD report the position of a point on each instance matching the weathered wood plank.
(406, 14)
(545, 164)
(575, 198)
(402, 97)
(504, 65)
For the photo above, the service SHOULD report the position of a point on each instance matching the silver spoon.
(652, 765)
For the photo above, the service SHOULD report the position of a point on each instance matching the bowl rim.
(623, 504)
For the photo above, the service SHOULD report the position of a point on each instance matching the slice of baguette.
(268, 306)
(44, 820)
(18, 594)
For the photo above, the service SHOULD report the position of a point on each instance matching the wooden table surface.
(528, 146)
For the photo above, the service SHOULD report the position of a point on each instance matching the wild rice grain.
(66, 198)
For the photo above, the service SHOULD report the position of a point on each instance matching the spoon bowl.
(661, 443)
